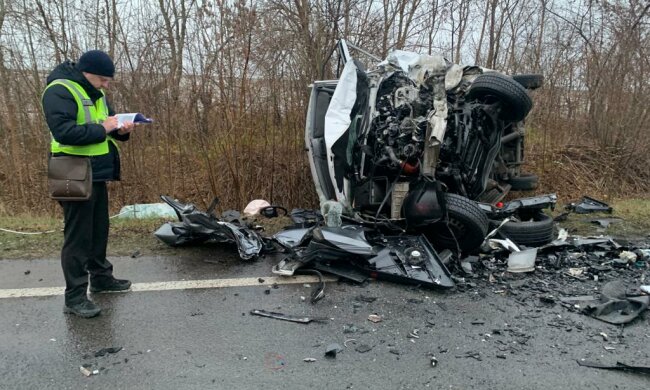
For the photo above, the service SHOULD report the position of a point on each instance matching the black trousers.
(84, 245)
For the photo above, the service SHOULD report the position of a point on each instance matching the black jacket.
(60, 111)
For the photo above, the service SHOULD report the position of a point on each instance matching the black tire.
(534, 233)
(491, 87)
(529, 81)
(466, 228)
(523, 182)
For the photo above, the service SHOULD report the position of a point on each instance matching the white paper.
(123, 118)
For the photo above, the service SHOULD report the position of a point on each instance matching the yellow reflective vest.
(87, 112)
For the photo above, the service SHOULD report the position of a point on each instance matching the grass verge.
(134, 237)
(127, 237)
(633, 213)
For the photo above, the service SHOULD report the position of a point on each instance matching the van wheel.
(465, 229)
(495, 87)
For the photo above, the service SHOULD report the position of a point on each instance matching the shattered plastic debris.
(285, 317)
(332, 350)
(363, 348)
(522, 261)
(349, 253)
(374, 318)
(287, 267)
(466, 266)
(414, 334)
(365, 298)
(589, 205)
(605, 222)
(506, 244)
(627, 256)
(197, 226)
(576, 271)
(618, 366)
(618, 311)
(105, 351)
(86, 371)
(615, 307)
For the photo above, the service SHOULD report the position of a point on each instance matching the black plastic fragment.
(105, 351)
(286, 317)
(332, 350)
(618, 366)
(589, 205)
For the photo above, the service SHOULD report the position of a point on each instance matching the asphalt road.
(206, 338)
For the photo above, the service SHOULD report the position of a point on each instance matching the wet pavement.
(206, 338)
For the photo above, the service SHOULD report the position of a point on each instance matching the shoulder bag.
(69, 178)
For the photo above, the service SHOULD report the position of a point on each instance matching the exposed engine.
(398, 132)
(399, 129)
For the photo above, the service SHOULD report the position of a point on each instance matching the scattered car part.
(618, 366)
(198, 226)
(286, 267)
(520, 205)
(292, 237)
(423, 204)
(522, 261)
(605, 222)
(272, 211)
(87, 372)
(332, 350)
(318, 292)
(534, 230)
(347, 252)
(305, 218)
(589, 205)
(503, 244)
(105, 351)
(618, 311)
(286, 317)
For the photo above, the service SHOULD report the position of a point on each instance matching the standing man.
(82, 124)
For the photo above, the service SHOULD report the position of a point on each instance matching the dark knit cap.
(96, 62)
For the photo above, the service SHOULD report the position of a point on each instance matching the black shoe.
(109, 285)
(85, 309)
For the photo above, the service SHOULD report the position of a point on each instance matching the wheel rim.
(455, 227)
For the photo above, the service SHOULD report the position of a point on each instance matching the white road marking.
(173, 285)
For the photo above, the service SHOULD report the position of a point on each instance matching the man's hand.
(110, 124)
(126, 128)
